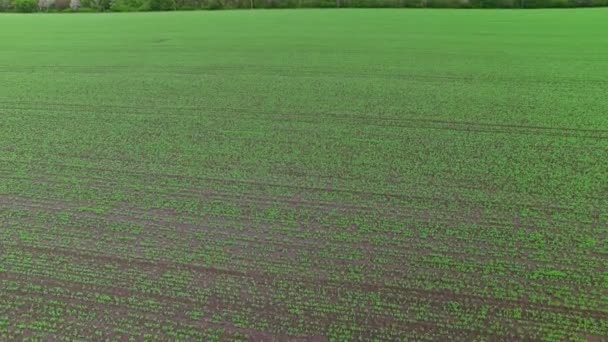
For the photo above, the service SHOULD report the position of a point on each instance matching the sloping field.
(323, 175)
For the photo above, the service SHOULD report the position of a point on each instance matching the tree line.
(171, 5)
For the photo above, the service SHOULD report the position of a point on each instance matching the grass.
(353, 174)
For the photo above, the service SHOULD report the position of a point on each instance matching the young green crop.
(271, 175)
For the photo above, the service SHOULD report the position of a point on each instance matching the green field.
(325, 175)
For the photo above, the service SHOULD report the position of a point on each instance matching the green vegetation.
(169, 5)
(24, 6)
(357, 174)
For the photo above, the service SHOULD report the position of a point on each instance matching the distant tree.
(183, 4)
(162, 5)
(214, 4)
(5, 5)
(101, 5)
(75, 5)
(25, 6)
(44, 5)
(61, 5)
